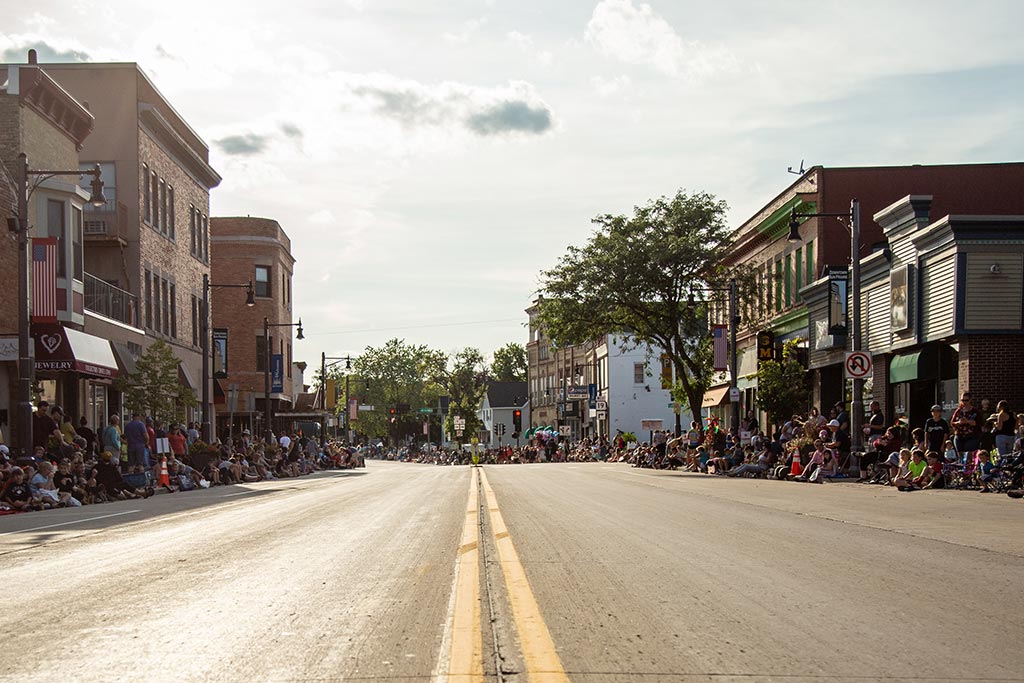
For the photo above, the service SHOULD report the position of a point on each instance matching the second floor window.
(638, 373)
(58, 228)
(146, 215)
(263, 281)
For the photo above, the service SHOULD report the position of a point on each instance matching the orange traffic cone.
(796, 469)
(165, 478)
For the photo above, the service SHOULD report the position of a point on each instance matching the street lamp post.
(323, 381)
(267, 430)
(857, 409)
(19, 225)
(204, 327)
(734, 323)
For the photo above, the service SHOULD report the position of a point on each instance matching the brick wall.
(990, 366)
(171, 259)
(237, 245)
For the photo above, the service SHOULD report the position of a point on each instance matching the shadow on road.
(29, 529)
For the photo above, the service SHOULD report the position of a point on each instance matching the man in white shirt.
(285, 441)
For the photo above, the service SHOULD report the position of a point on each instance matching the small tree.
(153, 389)
(781, 387)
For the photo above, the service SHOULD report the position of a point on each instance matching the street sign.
(677, 408)
(734, 395)
(565, 430)
(602, 405)
(232, 398)
(426, 411)
(650, 425)
(602, 414)
(365, 408)
(426, 428)
(857, 365)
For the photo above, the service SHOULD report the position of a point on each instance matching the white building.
(630, 384)
(498, 408)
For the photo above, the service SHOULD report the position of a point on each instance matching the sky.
(429, 160)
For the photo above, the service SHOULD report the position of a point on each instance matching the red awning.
(62, 349)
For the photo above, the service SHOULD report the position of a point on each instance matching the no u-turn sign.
(857, 365)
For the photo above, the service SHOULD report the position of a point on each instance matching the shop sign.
(838, 285)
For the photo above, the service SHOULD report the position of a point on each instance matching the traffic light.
(502, 425)
(517, 420)
(391, 412)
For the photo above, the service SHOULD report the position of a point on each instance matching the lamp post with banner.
(267, 428)
(853, 215)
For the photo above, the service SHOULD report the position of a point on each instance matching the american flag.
(721, 347)
(44, 279)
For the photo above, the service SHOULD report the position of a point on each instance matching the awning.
(63, 349)
(905, 367)
(219, 398)
(185, 377)
(715, 397)
(125, 358)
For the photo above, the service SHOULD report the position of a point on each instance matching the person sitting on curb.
(916, 468)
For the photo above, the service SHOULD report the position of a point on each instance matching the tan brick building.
(245, 249)
(146, 251)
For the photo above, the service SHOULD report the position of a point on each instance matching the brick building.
(245, 249)
(40, 118)
(147, 250)
(783, 269)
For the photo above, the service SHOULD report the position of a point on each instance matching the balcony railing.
(110, 301)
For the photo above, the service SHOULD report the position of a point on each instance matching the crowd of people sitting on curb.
(74, 466)
(975, 449)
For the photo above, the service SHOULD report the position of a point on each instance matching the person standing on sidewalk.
(137, 435)
(965, 426)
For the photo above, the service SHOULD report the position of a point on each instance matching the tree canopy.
(634, 277)
(510, 363)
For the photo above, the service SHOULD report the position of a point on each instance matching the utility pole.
(734, 323)
(857, 409)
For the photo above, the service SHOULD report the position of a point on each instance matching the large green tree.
(393, 375)
(634, 278)
(510, 363)
(153, 389)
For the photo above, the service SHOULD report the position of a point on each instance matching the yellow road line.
(542, 662)
(466, 660)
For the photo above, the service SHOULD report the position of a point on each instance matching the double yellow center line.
(465, 662)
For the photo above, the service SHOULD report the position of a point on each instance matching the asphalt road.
(519, 573)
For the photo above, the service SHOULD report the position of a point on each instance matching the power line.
(311, 333)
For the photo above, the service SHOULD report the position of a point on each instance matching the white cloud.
(605, 87)
(525, 43)
(465, 33)
(635, 34)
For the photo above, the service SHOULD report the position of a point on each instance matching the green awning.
(905, 367)
(528, 433)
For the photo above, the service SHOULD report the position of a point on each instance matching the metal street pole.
(204, 327)
(734, 323)
(348, 428)
(857, 409)
(26, 363)
(268, 432)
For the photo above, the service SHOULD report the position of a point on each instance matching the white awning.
(715, 396)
